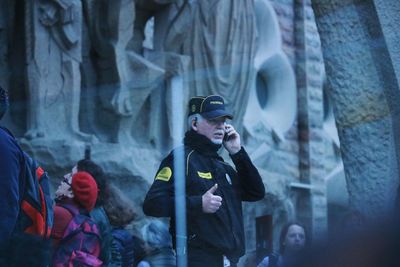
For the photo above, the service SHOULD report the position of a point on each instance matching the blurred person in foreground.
(26, 219)
(157, 245)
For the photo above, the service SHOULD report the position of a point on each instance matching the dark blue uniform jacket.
(220, 232)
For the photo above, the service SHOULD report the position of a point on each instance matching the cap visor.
(216, 114)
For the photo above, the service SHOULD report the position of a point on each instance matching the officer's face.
(213, 129)
(295, 238)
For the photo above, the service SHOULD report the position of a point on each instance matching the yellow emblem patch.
(164, 174)
(205, 175)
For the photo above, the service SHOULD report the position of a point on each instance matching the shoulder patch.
(205, 175)
(164, 174)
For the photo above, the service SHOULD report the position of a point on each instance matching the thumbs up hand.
(211, 202)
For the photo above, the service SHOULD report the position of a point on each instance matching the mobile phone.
(226, 137)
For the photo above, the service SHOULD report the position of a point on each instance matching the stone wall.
(310, 75)
(363, 88)
(91, 84)
(295, 168)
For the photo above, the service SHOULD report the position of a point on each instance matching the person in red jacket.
(80, 192)
(75, 196)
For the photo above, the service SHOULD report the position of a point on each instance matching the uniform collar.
(201, 144)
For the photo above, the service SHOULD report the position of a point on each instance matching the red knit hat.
(85, 190)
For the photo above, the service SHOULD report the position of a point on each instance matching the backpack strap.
(33, 202)
(71, 208)
(80, 239)
(80, 221)
(34, 216)
(73, 227)
(7, 131)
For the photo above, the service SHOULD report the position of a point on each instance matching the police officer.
(214, 189)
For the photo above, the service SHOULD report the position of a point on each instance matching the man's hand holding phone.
(231, 139)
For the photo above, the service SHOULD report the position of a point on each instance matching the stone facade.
(362, 82)
(81, 79)
(310, 75)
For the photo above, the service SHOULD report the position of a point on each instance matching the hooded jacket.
(11, 159)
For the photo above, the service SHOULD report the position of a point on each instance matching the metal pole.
(179, 168)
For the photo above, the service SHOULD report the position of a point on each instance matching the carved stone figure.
(109, 37)
(53, 68)
(221, 41)
(145, 9)
(173, 64)
(124, 78)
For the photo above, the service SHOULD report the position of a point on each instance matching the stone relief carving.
(165, 13)
(208, 47)
(124, 78)
(53, 68)
(213, 54)
(273, 95)
(87, 71)
(145, 10)
(221, 42)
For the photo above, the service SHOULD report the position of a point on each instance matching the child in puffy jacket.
(121, 212)
(76, 238)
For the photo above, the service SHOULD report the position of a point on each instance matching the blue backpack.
(36, 214)
(122, 248)
(31, 235)
(36, 205)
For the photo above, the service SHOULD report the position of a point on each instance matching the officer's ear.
(194, 123)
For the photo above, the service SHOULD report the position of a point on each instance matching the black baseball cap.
(210, 107)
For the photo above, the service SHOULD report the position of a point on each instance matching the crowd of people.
(86, 222)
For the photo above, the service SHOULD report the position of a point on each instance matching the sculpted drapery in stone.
(221, 42)
(214, 42)
(145, 9)
(53, 36)
(217, 37)
(109, 37)
(124, 78)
